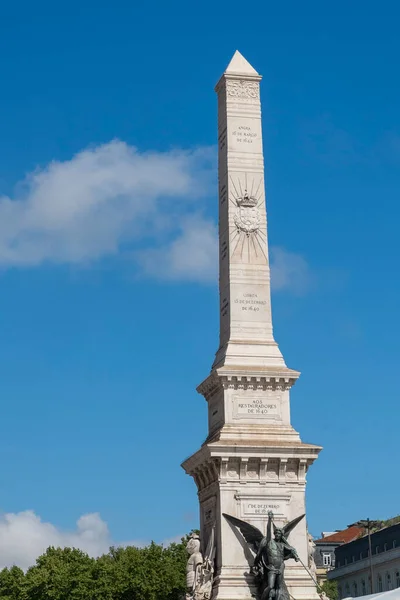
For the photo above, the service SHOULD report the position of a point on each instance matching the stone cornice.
(272, 449)
(249, 466)
(248, 378)
(225, 450)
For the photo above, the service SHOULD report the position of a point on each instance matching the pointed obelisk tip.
(239, 66)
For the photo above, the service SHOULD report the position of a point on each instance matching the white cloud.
(113, 199)
(192, 255)
(289, 272)
(103, 199)
(24, 537)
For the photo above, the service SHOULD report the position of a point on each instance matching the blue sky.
(108, 301)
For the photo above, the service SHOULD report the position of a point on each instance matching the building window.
(361, 555)
(347, 590)
(340, 592)
(394, 543)
(327, 559)
(397, 579)
(353, 559)
(385, 547)
(345, 561)
(388, 581)
(380, 585)
(355, 591)
(363, 588)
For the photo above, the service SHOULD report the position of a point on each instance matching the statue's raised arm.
(290, 551)
(271, 553)
(269, 525)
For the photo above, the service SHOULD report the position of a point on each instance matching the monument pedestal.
(253, 461)
(247, 478)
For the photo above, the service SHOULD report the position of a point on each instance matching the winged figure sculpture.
(271, 553)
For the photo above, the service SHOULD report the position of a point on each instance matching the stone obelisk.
(252, 461)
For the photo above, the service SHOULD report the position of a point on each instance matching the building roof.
(391, 594)
(344, 536)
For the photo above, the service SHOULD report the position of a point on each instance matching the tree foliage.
(330, 589)
(392, 521)
(12, 584)
(151, 573)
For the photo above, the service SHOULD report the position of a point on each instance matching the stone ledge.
(267, 447)
(274, 378)
(213, 462)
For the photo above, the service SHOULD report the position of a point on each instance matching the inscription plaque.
(256, 407)
(262, 507)
(245, 136)
(252, 505)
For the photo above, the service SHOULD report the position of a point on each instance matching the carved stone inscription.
(257, 407)
(250, 302)
(249, 305)
(258, 506)
(244, 135)
(262, 507)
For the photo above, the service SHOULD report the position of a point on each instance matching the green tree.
(61, 574)
(12, 584)
(150, 573)
(330, 589)
(391, 521)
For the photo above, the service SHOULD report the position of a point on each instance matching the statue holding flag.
(271, 553)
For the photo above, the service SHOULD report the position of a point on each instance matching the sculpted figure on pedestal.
(271, 553)
(199, 570)
(311, 553)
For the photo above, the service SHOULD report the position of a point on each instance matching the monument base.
(231, 584)
(247, 481)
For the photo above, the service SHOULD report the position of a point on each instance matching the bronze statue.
(269, 563)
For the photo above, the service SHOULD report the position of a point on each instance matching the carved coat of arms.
(247, 217)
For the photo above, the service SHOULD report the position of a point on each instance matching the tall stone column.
(253, 460)
(245, 299)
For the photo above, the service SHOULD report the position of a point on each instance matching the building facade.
(325, 549)
(353, 564)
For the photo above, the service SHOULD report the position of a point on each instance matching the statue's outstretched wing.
(251, 534)
(291, 525)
